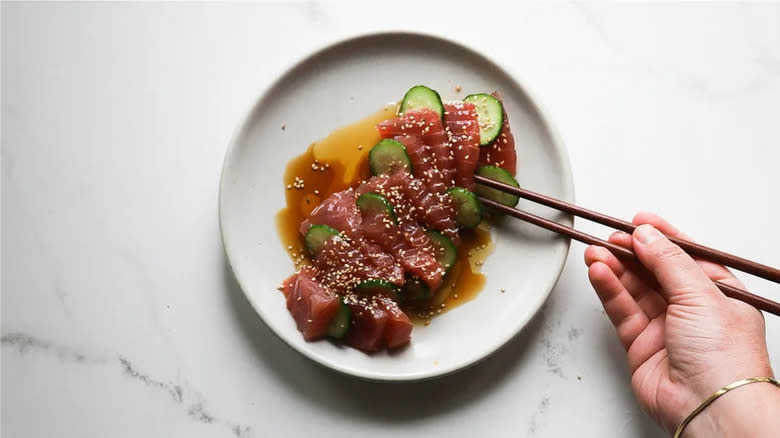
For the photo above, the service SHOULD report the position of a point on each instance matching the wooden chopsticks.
(695, 249)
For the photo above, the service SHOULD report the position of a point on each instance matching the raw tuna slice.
(337, 210)
(435, 210)
(501, 152)
(385, 265)
(416, 236)
(428, 126)
(460, 120)
(342, 265)
(398, 331)
(422, 159)
(357, 258)
(369, 321)
(414, 201)
(420, 261)
(311, 304)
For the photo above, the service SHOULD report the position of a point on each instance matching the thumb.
(680, 277)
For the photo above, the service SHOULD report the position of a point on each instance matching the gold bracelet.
(717, 394)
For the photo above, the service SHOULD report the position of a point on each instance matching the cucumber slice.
(421, 96)
(376, 203)
(317, 236)
(500, 175)
(387, 156)
(447, 253)
(377, 287)
(415, 291)
(490, 114)
(468, 210)
(339, 325)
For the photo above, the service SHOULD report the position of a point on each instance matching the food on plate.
(383, 219)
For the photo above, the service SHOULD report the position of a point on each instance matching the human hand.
(684, 338)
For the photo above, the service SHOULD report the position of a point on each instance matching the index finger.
(713, 270)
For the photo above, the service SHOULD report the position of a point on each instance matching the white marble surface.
(120, 319)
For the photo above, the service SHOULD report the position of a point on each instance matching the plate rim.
(559, 149)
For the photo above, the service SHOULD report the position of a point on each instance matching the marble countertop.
(120, 318)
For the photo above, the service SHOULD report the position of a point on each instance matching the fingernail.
(646, 234)
(618, 234)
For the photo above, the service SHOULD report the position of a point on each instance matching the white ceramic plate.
(344, 83)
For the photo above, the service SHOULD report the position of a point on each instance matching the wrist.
(749, 410)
